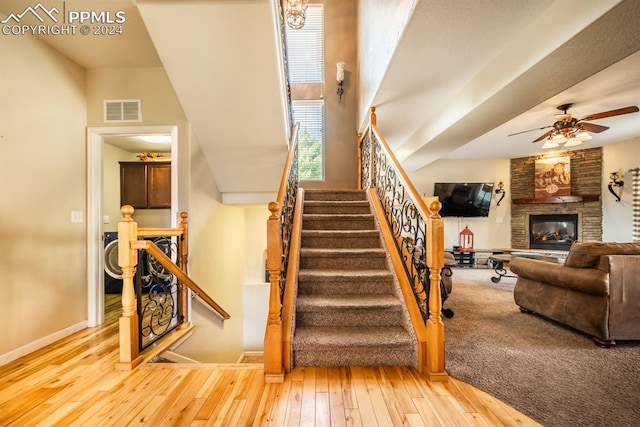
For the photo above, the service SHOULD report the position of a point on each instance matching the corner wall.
(617, 224)
(42, 133)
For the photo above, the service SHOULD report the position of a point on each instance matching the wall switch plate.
(76, 217)
(106, 219)
(499, 220)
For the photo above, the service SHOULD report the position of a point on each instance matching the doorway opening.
(103, 196)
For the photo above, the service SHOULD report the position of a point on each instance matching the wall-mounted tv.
(464, 199)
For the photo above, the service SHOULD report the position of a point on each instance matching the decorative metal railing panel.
(408, 227)
(158, 294)
(286, 217)
(365, 161)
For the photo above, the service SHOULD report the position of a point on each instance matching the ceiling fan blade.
(618, 112)
(543, 136)
(530, 130)
(591, 127)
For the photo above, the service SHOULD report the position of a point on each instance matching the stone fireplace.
(555, 232)
(586, 180)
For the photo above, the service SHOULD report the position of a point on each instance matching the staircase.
(348, 311)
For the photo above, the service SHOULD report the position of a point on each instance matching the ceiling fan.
(570, 131)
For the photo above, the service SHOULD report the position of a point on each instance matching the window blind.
(305, 48)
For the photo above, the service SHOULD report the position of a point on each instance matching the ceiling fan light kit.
(572, 132)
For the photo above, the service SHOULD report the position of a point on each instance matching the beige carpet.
(347, 308)
(549, 372)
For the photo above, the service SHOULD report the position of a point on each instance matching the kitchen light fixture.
(294, 12)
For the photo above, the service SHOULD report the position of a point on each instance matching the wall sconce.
(340, 79)
(615, 182)
(500, 190)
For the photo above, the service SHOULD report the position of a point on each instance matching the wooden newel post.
(184, 259)
(273, 347)
(435, 327)
(127, 260)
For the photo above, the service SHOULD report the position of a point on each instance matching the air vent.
(127, 110)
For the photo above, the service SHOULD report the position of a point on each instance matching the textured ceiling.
(463, 75)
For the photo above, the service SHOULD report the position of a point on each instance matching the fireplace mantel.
(560, 199)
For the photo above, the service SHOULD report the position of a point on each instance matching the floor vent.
(127, 110)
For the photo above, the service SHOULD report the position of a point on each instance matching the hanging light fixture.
(570, 135)
(294, 11)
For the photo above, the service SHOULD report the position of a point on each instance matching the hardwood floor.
(73, 383)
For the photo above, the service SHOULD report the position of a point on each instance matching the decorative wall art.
(552, 177)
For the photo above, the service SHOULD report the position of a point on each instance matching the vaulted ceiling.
(462, 77)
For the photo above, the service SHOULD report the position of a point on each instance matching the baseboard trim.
(250, 354)
(42, 342)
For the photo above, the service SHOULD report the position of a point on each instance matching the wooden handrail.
(167, 263)
(156, 232)
(434, 360)
(128, 236)
(291, 286)
(273, 342)
(287, 169)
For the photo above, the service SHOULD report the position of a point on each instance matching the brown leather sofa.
(596, 291)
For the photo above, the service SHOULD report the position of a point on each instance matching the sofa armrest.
(589, 280)
(624, 312)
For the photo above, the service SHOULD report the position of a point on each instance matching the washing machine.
(112, 271)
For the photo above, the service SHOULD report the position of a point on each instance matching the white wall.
(617, 217)
(493, 231)
(256, 288)
(380, 26)
(216, 264)
(42, 180)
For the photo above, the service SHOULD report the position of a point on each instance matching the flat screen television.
(464, 199)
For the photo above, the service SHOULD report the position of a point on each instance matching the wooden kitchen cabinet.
(145, 185)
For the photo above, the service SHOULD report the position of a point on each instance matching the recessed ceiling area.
(139, 144)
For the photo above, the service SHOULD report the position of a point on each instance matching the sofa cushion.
(587, 254)
(588, 280)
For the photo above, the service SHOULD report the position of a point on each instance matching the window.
(305, 48)
(310, 115)
(305, 61)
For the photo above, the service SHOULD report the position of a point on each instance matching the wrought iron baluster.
(286, 218)
(406, 224)
(158, 294)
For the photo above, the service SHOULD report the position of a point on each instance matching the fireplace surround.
(586, 179)
(556, 232)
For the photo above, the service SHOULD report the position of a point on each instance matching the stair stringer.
(291, 285)
(415, 320)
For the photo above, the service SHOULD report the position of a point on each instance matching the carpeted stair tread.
(343, 259)
(311, 195)
(332, 207)
(342, 252)
(341, 239)
(341, 233)
(343, 275)
(347, 312)
(323, 302)
(345, 282)
(316, 337)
